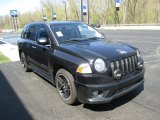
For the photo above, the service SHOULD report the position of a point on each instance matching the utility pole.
(10, 20)
(87, 12)
(52, 13)
(42, 13)
(44, 16)
(14, 25)
(65, 9)
(117, 5)
(81, 11)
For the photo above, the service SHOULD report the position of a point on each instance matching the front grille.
(125, 65)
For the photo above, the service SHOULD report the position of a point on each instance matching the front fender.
(60, 59)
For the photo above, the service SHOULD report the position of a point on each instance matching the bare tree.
(124, 11)
(74, 10)
(131, 6)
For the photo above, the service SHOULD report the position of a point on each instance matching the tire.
(66, 87)
(24, 63)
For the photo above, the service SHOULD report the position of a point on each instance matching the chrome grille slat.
(117, 64)
(125, 65)
(122, 67)
(130, 64)
(133, 62)
(136, 61)
(112, 67)
(115, 67)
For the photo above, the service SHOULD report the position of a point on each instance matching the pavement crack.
(146, 107)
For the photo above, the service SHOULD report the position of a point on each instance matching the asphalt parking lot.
(26, 96)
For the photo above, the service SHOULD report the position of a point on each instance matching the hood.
(95, 49)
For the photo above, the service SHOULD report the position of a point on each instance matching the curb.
(130, 28)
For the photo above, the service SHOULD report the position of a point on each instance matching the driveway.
(29, 96)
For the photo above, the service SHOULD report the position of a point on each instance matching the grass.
(3, 59)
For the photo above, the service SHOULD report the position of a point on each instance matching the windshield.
(73, 32)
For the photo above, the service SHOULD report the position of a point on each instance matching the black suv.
(80, 62)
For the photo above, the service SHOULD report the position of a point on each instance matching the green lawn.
(3, 59)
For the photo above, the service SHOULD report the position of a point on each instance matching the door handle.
(34, 47)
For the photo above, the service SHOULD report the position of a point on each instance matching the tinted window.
(74, 31)
(24, 32)
(42, 32)
(65, 31)
(31, 33)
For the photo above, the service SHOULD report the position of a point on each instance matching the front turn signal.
(84, 68)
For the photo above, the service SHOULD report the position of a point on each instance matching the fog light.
(99, 93)
(140, 65)
(106, 92)
(95, 93)
(117, 74)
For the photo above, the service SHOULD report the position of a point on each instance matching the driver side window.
(42, 32)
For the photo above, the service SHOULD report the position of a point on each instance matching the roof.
(54, 22)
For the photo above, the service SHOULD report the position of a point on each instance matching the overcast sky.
(20, 5)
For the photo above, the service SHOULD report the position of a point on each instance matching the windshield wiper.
(81, 39)
(94, 38)
(73, 40)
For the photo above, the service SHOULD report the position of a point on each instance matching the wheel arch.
(20, 51)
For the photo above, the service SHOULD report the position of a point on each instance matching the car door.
(31, 35)
(42, 52)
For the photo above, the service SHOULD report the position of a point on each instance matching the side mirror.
(43, 41)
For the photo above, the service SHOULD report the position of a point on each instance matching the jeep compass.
(82, 64)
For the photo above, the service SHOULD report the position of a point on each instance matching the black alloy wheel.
(66, 87)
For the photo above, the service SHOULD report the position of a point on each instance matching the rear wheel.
(24, 63)
(66, 87)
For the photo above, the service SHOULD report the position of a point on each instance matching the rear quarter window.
(24, 32)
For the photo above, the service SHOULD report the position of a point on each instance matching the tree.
(101, 11)
(74, 12)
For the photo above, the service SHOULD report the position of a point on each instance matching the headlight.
(138, 54)
(84, 68)
(99, 65)
(140, 61)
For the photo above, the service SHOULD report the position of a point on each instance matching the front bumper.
(110, 90)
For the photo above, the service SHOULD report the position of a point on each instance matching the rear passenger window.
(31, 34)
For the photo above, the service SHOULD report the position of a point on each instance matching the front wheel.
(24, 63)
(66, 87)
